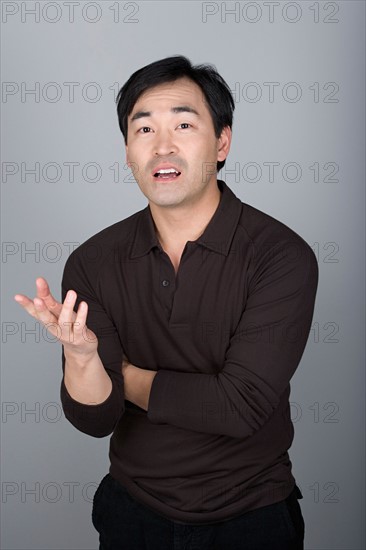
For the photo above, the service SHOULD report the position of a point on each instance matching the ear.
(126, 153)
(224, 142)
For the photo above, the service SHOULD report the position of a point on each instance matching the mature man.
(182, 326)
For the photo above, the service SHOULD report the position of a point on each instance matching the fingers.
(60, 319)
(80, 320)
(39, 311)
(73, 325)
(83, 334)
(43, 314)
(26, 303)
(68, 316)
(44, 307)
(43, 292)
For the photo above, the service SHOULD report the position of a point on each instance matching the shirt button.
(165, 283)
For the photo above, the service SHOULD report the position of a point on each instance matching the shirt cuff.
(97, 420)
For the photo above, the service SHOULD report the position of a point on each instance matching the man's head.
(217, 93)
(172, 113)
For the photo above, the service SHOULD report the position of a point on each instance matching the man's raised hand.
(68, 326)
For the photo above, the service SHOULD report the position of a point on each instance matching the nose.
(164, 143)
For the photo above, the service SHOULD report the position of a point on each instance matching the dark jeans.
(123, 523)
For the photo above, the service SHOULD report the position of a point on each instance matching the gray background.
(49, 469)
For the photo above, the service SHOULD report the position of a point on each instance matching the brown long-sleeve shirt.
(226, 334)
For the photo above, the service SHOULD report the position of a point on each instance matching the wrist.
(80, 361)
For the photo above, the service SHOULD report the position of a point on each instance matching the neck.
(177, 225)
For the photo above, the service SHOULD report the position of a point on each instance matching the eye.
(184, 124)
(144, 128)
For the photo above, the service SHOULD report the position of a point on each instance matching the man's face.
(170, 126)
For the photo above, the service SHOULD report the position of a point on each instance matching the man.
(182, 326)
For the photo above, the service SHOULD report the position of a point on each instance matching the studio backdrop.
(297, 74)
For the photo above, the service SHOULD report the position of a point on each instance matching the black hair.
(217, 93)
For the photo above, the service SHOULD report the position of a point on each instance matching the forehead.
(170, 94)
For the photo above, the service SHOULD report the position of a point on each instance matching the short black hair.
(218, 95)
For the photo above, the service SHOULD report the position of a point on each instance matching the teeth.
(168, 171)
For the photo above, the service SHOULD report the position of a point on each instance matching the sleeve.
(95, 420)
(262, 354)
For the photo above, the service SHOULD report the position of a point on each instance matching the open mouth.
(167, 174)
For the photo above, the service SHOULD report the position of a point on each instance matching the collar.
(217, 236)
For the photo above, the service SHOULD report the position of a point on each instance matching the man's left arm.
(261, 358)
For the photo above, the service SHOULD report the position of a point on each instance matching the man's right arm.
(92, 393)
(92, 388)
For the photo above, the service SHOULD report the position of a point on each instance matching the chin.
(165, 197)
(166, 203)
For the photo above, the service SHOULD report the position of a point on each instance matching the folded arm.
(261, 357)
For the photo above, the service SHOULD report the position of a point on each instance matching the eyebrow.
(178, 109)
